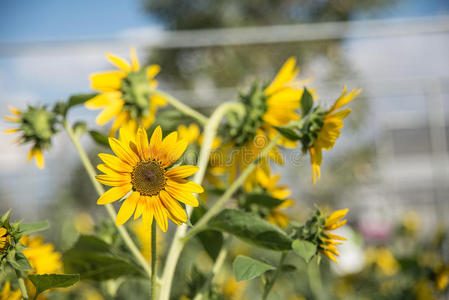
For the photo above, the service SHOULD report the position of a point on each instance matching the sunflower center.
(148, 178)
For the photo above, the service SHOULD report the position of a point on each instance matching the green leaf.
(305, 249)
(19, 262)
(79, 99)
(79, 128)
(288, 133)
(262, 199)
(94, 259)
(5, 217)
(306, 102)
(49, 281)
(29, 228)
(211, 240)
(99, 138)
(251, 228)
(246, 268)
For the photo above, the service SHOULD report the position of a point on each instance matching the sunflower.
(7, 294)
(267, 106)
(125, 94)
(141, 169)
(42, 257)
(332, 123)
(37, 125)
(282, 192)
(328, 241)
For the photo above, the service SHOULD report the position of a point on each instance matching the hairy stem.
(270, 284)
(153, 261)
(22, 286)
(109, 208)
(181, 106)
(210, 131)
(231, 190)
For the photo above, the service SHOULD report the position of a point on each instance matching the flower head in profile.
(37, 125)
(328, 130)
(42, 256)
(328, 241)
(125, 94)
(141, 171)
(266, 106)
(7, 294)
(317, 230)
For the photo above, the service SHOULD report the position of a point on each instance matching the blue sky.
(33, 20)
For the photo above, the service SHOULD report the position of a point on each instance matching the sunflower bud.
(5, 240)
(37, 126)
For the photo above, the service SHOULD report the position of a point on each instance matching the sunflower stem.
(201, 224)
(153, 261)
(22, 286)
(202, 119)
(270, 283)
(210, 131)
(109, 208)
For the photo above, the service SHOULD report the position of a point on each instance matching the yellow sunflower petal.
(335, 237)
(11, 130)
(336, 216)
(148, 212)
(330, 255)
(152, 71)
(108, 81)
(115, 163)
(14, 110)
(175, 153)
(336, 225)
(173, 206)
(160, 213)
(287, 72)
(11, 119)
(182, 196)
(134, 61)
(185, 185)
(39, 157)
(182, 171)
(103, 99)
(139, 208)
(123, 152)
(114, 180)
(127, 209)
(142, 143)
(119, 62)
(109, 112)
(113, 194)
(155, 142)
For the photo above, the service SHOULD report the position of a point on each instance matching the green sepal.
(306, 102)
(99, 138)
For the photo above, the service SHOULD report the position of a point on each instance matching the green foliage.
(97, 260)
(62, 108)
(18, 261)
(251, 228)
(49, 281)
(211, 240)
(288, 133)
(246, 268)
(305, 249)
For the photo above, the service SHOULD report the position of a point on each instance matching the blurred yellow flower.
(36, 126)
(281, 192)
(329, 242)
(7, 294)
(233, 290)
(5, 240)
(442, 278)
(330, 130)
(42, 257)
(125, 94)
(84, 223)
(140, 169)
